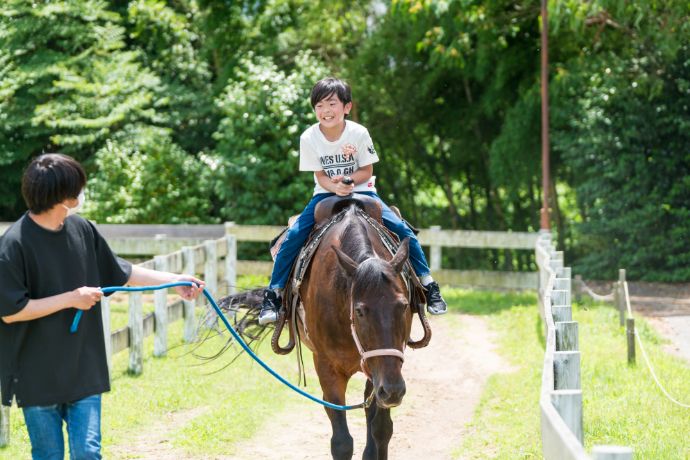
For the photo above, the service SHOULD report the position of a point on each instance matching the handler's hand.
(86, 297)
(189, 292)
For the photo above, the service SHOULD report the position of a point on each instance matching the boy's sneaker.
(434, 301)
(270, 307)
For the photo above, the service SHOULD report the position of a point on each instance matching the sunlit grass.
(622, 405)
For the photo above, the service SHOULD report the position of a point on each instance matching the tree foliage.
(190, 111)
(264, 113)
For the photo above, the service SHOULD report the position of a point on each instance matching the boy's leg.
(84, 428)
(434, 301)
(295, 238)
(44, 424)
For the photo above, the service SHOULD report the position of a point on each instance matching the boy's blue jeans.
(83, 419)
(299, 232)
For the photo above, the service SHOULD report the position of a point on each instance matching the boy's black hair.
(50, 179)
(328, 86)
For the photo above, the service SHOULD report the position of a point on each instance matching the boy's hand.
(86, 297)
(189, 292)
(344, 185)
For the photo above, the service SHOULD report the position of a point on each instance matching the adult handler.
(52, 264)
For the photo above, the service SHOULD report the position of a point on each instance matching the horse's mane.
(357, 243)
(355, 239)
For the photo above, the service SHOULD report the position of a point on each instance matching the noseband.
(369, 354)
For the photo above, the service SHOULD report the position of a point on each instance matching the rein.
(235, 335)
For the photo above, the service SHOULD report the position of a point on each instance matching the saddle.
(330, 207)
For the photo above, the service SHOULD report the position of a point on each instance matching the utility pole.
(545, 175)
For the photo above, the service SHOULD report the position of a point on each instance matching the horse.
(357, 317)
(357, 307)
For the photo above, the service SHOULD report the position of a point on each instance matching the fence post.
(567, 336)
(160, 313)
(620, 297)
(136, 333)
(435, 249)
(566, 370)
(4, 425)
(568, 404)
(630, 333)
(211, 267)
(560, 308)
(189, 316)
(107, 331)
(231, 263)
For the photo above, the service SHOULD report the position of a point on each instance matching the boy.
(51, 264)
(338, 150)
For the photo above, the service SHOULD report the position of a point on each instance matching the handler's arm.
(82, 298)
(144, 277)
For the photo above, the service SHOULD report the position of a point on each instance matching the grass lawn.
(621, 403)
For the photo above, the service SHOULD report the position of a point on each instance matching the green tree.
(621, 123)
(66, 83)
(142, 176)
(455, 102)
(264, 112)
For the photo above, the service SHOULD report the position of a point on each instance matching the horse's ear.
(400, 257)
(349, 265)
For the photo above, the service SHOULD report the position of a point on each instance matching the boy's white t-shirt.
(343, 157)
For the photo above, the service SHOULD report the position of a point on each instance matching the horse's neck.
(359, 239)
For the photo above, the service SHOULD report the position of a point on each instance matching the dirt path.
(667, 308)
(444, 384)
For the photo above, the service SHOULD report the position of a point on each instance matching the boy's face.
(330, 111)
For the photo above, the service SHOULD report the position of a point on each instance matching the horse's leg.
(334, 385)
(379, 429)
(370, 448)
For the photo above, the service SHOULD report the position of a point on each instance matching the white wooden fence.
(211, 251)
(214, 261)
(149, 240)
(560, 401)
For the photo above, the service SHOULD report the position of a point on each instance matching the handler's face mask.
(80, 203)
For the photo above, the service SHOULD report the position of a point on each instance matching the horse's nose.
(391, 394)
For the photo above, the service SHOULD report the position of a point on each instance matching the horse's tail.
(242, 312)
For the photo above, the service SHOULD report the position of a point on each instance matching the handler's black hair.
(50, 179)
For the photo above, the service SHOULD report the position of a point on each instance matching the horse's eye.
(359, 309)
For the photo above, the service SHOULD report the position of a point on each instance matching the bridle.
(364, 355)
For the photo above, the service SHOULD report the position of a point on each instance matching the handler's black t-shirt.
(41, 362)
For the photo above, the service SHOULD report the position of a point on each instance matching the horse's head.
(381, 318)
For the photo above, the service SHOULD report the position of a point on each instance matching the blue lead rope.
(233, 332)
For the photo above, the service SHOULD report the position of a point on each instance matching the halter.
(368, 354)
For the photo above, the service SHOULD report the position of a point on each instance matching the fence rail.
(560, 400)
(150, 240)
(211, 251)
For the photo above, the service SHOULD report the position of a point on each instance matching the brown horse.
(357, 317)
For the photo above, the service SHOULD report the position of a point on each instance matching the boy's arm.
(144, 277)
(335, 184)
(82, 298)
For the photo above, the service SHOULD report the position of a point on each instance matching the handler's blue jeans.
(83, 419)
(299, 232)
